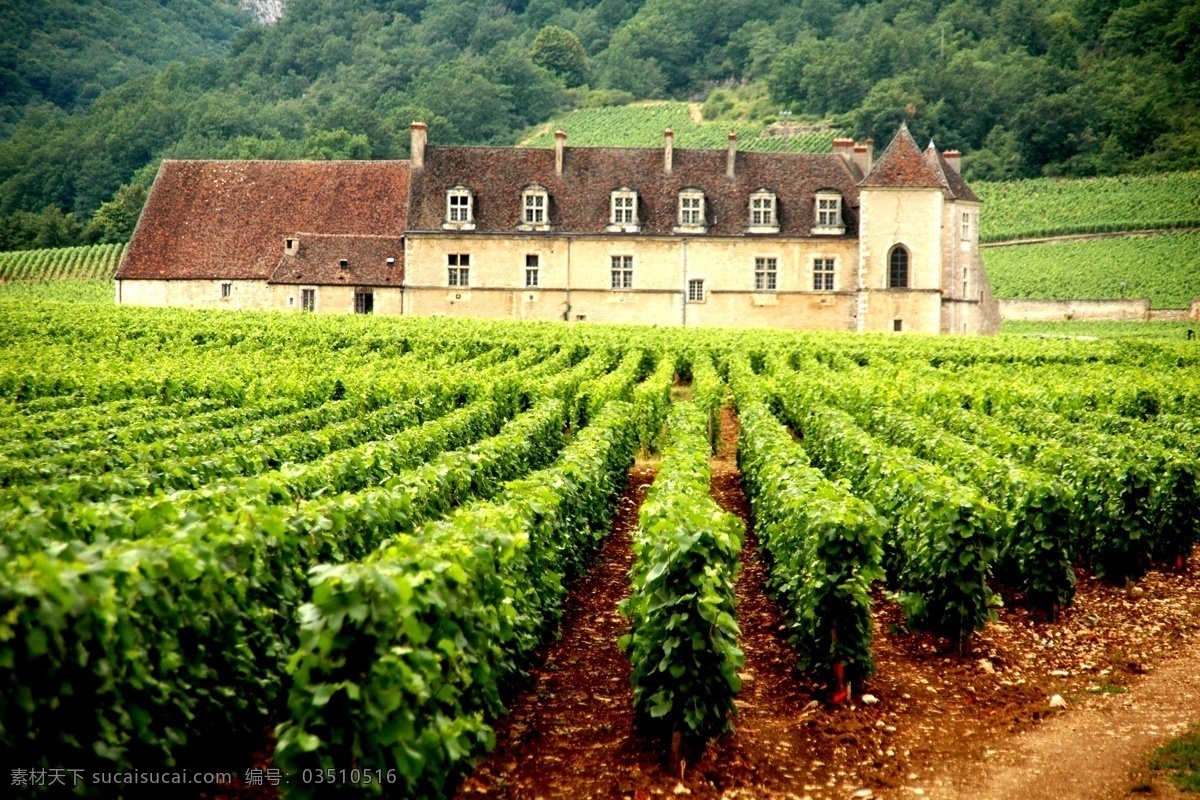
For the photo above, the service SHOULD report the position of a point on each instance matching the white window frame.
(226, 290)
(694, 296)
(535, 209)
(766, 273)
(623, 211)
(827, 214)
(458, 270)
(824, 273)
(533, 266)
(311, 292)
(460, 209)
(966, 226)
(690, 215)
(764, 212)
(621, 266)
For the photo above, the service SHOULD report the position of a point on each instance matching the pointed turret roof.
(956, 188)
(902, 165)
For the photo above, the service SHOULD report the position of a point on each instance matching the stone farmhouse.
(661, 236)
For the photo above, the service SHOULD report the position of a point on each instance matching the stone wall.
(1019, 309)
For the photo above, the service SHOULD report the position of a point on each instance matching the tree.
(115, 219)
(560, 51)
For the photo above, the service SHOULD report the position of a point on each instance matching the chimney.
(845, 149)
(417, 148)
(862, 155)
(560, 150)
(732, 157)
(668, 150)
(954, 159)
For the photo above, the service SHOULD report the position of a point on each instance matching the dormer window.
(623, 217)
(535, 209)
(763, 216)
(460, 209)
(343, 263)
(828, 214)
(691, 212)
(290, 246)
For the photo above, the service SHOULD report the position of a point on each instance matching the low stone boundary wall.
(1135, 309)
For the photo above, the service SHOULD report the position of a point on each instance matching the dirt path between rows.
(1079, 237)
(1090, 753)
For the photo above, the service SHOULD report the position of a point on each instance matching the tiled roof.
(580, 197)
(318, 258)
(902, 165)
(228, 219)
(952, 182)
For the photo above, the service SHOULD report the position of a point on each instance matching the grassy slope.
(1165, 268)
(1055, 206)
(642, 125)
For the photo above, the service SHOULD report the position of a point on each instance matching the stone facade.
(452, 233)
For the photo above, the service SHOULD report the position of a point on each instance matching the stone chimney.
(862, 155)
(731, 159)
(668, 150)
(954, 159)
(417, 148)
(560, 150)
(845, 149)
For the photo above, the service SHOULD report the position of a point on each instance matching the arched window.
(898, 268)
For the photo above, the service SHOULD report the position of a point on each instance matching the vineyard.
(642, 125)
(361, 532)
(1165, 268)
(1038, 207)
(94, 262)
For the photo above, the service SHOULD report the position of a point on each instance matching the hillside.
(1165, 268)
(1057, 207)
(67, 52)
(642, 125)
(1025, 89)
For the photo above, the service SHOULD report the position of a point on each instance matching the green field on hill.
(1163, 267)
(94, 262)
(642, 125)
(1057, 206)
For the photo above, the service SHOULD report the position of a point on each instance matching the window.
(226, 290)
(966, 227)
(624, 208)
(898, 268)
(460, 209)
(966, 276)
(364, 302)
(897, 325)
(691, 209)
(696, 290)
(829, 213)
(535, 203)
(308, 299)
(531, 271)
(766, 271)
(458, 269)
(622, 272)
(763, 218)
(823, 275)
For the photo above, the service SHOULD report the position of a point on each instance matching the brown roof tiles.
(580, 197)
(956, 188)
(902, 165)
(228, 219)
(318, 261)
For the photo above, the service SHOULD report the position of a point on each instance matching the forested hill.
(66, 52)
(1024, 87)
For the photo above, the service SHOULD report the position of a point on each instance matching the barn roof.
(903, 166)
(319, 258)
(580, 197)
(228, 219)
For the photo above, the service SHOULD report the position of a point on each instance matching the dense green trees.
(1025, 88)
